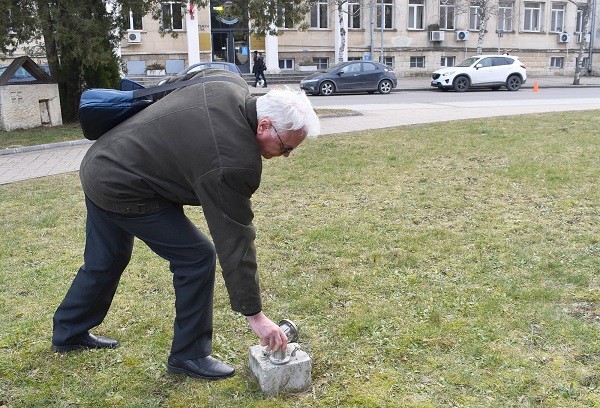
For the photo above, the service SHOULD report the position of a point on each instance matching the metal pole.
(372, 24)
(592, 35)
(382, 24)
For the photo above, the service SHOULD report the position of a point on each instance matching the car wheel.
(513, 83)
(461, 84)
(385, 86)
(326, 88)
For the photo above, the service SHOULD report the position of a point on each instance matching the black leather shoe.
(89, 341)
(208, 368)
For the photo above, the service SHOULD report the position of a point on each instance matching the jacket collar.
(251, 115)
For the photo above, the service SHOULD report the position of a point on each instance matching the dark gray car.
(351, 76)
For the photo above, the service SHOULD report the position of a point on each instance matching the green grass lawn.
(439, 265)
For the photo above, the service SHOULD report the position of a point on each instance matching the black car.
(351, 76)
(201, 66)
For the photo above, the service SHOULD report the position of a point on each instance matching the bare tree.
(482, 11)
(344, 14)
(585, 17)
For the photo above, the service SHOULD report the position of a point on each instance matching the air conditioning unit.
(564, 37)
(436, 36)
(462, 35)
(134, 37)
(581, 37)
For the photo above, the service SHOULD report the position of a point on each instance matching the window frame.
(132, 17)
(286, 64)
(447, 15)
(579, 21)
(354, 15)
(557, 20)
(319, 15)
(281, 20)
(445, 59)
(416, 12)
(474, 16)
(532, 11)
(557, 62)
(172, 15)
(417, 61)
(388, 11)
(504, 21)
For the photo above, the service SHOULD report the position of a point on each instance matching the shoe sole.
(182, 371)
(73, 347)
(66, 349)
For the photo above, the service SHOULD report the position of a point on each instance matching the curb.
(26, 149)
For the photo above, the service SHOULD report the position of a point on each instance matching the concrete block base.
(294, 376)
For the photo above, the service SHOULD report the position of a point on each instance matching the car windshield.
(468, 62)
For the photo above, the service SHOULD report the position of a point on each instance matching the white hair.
(288, 109)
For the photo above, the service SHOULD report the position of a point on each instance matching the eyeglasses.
(284, 148)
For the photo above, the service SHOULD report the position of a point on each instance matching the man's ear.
(263, 125)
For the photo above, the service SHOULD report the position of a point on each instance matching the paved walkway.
(38, 161)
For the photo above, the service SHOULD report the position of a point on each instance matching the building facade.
(418, 36)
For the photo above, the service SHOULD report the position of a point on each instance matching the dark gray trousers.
(109, 244)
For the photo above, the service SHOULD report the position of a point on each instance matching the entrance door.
(231, 46)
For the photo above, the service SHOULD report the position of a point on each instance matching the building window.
(448, 61)
(284, 19)
(354, 58)
(134, 17)
(353, 14)
(579, 22)
(505, 16)
(417, 62)
(319, 15)
(474, 17)
(388, 13)
(286, 64)
(389, 61)
(447, 14)
(322, 63)
(584, 62)
(558, 18)
(172, 15)
(415, 14)
(533, 17)
(557, 62)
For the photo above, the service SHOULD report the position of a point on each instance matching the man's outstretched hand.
(269, 333)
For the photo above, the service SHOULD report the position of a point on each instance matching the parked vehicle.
(351, 76)
(490, 71)
(201, 66)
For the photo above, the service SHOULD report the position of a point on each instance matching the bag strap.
(140, 93)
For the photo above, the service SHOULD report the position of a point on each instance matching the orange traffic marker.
(535, 86)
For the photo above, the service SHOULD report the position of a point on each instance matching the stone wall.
(29, 105)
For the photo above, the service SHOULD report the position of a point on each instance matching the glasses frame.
(284, 149)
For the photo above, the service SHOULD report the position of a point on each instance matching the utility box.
(28, 96)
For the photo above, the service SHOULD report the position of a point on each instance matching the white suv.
(490, 71)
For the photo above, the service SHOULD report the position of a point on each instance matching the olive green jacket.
(195, 146)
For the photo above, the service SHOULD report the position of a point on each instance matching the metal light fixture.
(291, 331)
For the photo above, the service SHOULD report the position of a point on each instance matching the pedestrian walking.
(259, 69)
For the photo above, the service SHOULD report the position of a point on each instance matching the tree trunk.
(586, 23)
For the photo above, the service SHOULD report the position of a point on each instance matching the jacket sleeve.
(225, 198)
